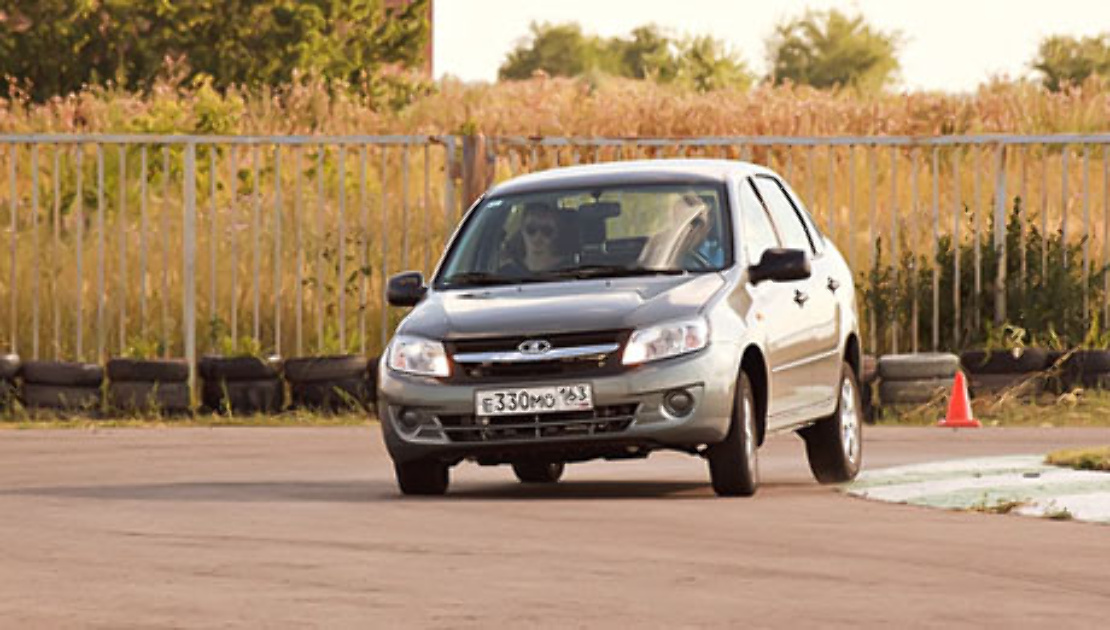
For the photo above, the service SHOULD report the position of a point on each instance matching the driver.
(543, 234)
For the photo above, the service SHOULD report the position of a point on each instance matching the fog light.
(678, 402)
(409, 419)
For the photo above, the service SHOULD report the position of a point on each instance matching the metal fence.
(179, 245)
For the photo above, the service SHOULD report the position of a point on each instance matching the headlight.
(666, 340)
(418, 356)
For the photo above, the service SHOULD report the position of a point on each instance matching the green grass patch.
(1095, 458)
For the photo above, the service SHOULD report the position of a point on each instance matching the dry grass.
(314, 239)
(1077, 409)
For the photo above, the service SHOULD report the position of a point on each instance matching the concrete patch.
(1024, 483)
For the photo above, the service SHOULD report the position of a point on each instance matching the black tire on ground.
(918, 367)
(171, 398)
(148, 370)
(834, 446)
(1020, 385)
(426, 478)
(734, 462)
(323, 369)
(238, 368)
(1085, 368)
(62, 397)
(1005, 361)
(63, 373)
(912, 392)
(244, 397)
(9, 366)
(342, 395)
(530, 471)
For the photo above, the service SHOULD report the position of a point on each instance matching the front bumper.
(631, 417)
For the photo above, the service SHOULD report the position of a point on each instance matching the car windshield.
(610, 231)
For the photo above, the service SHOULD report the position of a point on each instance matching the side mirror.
(780, 265)
(406, 289)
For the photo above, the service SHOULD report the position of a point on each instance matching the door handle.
(800, 297)
(833, 284)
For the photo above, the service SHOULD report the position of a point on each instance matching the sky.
(949, 45)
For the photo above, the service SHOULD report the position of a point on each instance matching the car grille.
(599, 364)
(533, 426)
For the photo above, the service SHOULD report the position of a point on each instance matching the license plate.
(521, 400)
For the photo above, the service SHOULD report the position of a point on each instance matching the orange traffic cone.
(959, 407)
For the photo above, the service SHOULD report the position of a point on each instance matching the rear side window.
(790, 227)
(759, 234)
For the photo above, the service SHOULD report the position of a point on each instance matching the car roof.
(630, 172)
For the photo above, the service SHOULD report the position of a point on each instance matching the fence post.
(189, 288)
(1000, 236)
(475, 172)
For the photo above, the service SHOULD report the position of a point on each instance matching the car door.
(829, 282)
(774, 309)
(803, 362)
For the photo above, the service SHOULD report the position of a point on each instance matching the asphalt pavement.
(304, 528)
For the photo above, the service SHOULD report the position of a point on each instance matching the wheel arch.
(853, 355)
(754, 365)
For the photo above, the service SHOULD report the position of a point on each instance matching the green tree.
(57, 46)
(703, 63)
(560, 50)
(826, 49)
(1064, 60)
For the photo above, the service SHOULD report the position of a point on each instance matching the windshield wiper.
(613, 271)
(478, 279)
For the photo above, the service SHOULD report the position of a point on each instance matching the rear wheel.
(422, 477)
(538, 472)
(734, 463)
(834, 445)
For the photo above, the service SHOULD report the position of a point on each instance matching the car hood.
(572, 306)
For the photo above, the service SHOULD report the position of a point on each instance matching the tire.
(341, 395)
(148, 370)
(869, 371)
(238, 368)
(531, 471)
(834, 446)
(9, 366)
(1004, 361)
(734, 462)
(912, 392)
(918, 367)
(422, 478)
(1085, 368)
(149, 397)
(244, 397)
(63, 374)
(1020, 384)
(38, 396)
(324, 369)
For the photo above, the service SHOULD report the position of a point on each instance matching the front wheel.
(734, 463)
(422, 477)
(834, 445)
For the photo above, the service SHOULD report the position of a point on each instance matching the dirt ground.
(303, 527)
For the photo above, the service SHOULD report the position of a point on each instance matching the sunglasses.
(546, 230)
